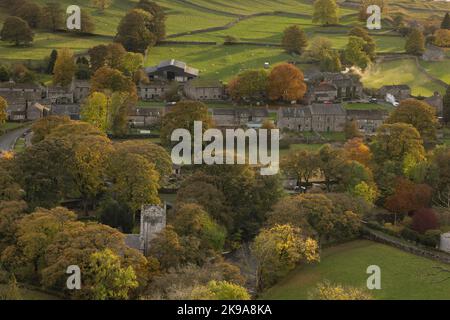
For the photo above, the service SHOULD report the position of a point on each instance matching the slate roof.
(327, 109)
(173, 63)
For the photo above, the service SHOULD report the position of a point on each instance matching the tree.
(157, 24)
(302, 164)
(446, 106)
(294, 40)
(331, 62)
(5, 75)
(193, 220)
(286, 82)
(368, 192)
(134, 181)
(30, 12)
(415, 43)
(182, 116)
(356, 150)
(328, 291)
(249, 85)
(132, 63)
(446, 22)
(64, 69)
(117, 215)
(419, 114)
(133, 33)
(110, 281)
(17, 31)
(355, 53)
(278, 250)
(43, 127)
(424, 219)
(121, 102)
(220, 290)
(442, 38)
(110, 80)
(10, 189)
(408, 197)
(394, 142)
(95, 109)
(10, 214)
(52, 61)
(53, 16)
(87, 23)
(102, 4)
(326, 12)
(21, 74)
(3, 107)
(369, 46)
(98, 56)
(168, 249)
(11, 292)
(331, 162)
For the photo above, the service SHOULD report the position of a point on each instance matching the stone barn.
(172, 70)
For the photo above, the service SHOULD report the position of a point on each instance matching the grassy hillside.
(403, 275)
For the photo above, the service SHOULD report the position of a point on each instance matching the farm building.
(70, 110)
(400, 92)
(152, 91)
(145, 117)
(239, 117)
(368, 120)
(437, 102)
(172, 70)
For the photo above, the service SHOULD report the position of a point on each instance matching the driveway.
(7, 140)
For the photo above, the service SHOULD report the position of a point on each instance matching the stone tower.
(153, 221)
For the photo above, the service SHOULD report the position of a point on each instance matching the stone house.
(325, 92)
(172, 70)
(368, 120)
(22, 110)
(400, 92)
(81, 90)
(348, 86)
(71, 110)
(239, 117)
(145, 117)
(204, 90)
(12, 91)
(152, 91)
(316, 117)
(437, 102)
(60, 95)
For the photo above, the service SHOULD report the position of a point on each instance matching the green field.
(440, 69)
(300, 146)
(403, 275)
(403, 71)
(368, 106)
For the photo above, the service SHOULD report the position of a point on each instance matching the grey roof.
(173, 63)
(327, 109)
(298, 112)
(133, 241)
(65, 109)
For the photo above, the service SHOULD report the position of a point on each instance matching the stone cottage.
(238, 117)
(204, 90)
(368, 120)
(140, 117)
(400, 92)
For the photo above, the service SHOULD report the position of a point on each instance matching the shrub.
(431, 238)
(285, 144)
(409, 234)
(424, 219)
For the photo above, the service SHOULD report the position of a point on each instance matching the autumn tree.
(424, 219)
(102, 4)
(415, 43)
(134, 180)
(182, 116)
(43, 127)
(30, 12)
(327, 291)
(351, 130)
(355, 52)
(331, 161)
(250, 85)
(121, 103)
(3, 107)
(132, 64)
(321, 50)
(17, 31)
(326, 12)
(64, 69)
(419, 114)
(157, 24)
(442, 38)
(286, 82)
(21, 74)
(11, 292)
(53, 16)
(220, 290)
(168, 248)
(446, 106)
(95, 109)
(331, 62)
(278, 250)
(302, 164)
(133, 33)
(369, 45)
(356, 150)
(446, 22)
(109, 279)
(5, 74)
(10, 213)
(294, 40)
(109, 80)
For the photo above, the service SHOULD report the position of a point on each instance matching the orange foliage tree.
(356, 150)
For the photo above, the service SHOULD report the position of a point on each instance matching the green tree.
(326, 12)
(294, 40)
(30, 12)
(418, 114)
(355, 53)
(110, 81)
(53, 16)
(102, 4)
(446, 22)
(3, 107)
(87, 23)
(331, 62)
(52, 61)
(94, 110)
(415, 43)
(121, 102)
(369, 46)
(64, 69)
(110, 281)
(351, 130)
(43, 127)
(133, 33)
(17, 31)
(302, 164)
(157, 24)
(5, 75)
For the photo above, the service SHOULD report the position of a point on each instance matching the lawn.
(440, 69)
(368, 106)
(300, 146)
(403, 275)
(403, 71)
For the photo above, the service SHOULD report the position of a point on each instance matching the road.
(7, 140)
